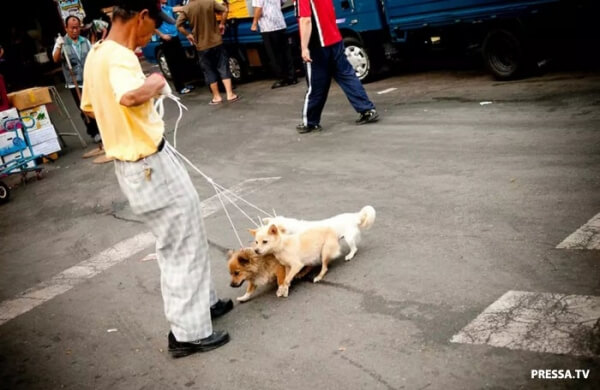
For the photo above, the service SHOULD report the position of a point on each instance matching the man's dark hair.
(72, 17)
(127, 9)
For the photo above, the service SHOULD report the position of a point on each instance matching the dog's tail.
(367, 217)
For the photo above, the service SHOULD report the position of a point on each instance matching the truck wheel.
(236, 69)
(503, 54)
(4, 193)
(162, 63)
(358, 57)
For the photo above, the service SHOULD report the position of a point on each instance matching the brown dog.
(245, 265)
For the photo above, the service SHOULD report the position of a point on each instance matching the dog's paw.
(317, 279)
(282, 291)
(348, 257)
(243, 298)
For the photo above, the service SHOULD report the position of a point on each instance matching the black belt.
(161, 145)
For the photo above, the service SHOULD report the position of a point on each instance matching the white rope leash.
(159, 105)
(221, 191)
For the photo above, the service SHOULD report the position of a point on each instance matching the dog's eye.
(265, 241)
(236, 273)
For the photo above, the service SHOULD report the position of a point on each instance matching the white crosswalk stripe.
(586, 237)
(540, 322)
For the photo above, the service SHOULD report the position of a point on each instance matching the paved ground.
(472, 201)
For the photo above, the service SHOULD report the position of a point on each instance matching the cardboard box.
(35, 118)
(42, 135)
(11, 113)
(29, 98)
(46, 147)
(14, 156)
(11, 142)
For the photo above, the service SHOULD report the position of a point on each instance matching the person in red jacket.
(324, 57)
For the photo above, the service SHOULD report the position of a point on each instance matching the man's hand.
(60, 41)
(190, 38)
(254, 27)
(306, 55)
(222, 28)
(166, 37)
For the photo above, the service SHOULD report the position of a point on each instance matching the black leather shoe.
(215, 340)
(279, 84)
(303, 129)
(368, 117)
(220, 308)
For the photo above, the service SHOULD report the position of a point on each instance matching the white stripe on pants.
(169, 204)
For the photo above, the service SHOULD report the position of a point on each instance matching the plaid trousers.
(161, 193)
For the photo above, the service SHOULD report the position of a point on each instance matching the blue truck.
(509, 34)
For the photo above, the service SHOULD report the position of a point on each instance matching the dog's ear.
(281, 229)
(273, 230)
(243, 260)
(253, 232)
(266, 220)
(229, 253)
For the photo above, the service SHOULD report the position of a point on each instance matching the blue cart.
(17, 156)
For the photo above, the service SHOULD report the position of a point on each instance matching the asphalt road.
(471, 201)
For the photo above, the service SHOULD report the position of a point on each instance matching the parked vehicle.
(511, 35)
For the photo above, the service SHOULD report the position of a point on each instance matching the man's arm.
(151, 87)
(257, 15)
(181, 19)
(162, 35)
(223, 10)
(305, 31)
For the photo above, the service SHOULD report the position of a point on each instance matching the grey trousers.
(161, 193)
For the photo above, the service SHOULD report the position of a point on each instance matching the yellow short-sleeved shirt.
(128, 133)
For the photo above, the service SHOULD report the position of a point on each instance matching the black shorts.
(215, 64)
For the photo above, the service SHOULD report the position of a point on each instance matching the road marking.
(386, 91)
(71, 277)
(586, 237)
(540, 322)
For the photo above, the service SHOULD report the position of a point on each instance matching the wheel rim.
(359, 59)
(235, 68)
(3, 192)
(164, 67)
(504, 56)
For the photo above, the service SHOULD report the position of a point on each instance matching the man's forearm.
(305, 31)
(224, 15)
(57, 54)
(257, 14)
(138, 96)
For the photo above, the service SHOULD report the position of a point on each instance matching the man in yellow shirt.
(152, 177)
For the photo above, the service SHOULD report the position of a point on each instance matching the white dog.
(347, 226)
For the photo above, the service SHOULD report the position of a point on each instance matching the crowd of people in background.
(203, 23)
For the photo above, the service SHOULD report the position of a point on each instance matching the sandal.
(235, 99)
(213, 103)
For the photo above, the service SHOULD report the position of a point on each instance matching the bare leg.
(229, 89)
(214, 88)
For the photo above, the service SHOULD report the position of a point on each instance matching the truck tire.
(237, 69)
(359, 58)
(161, 59)
(503, 54)
(4, 193)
